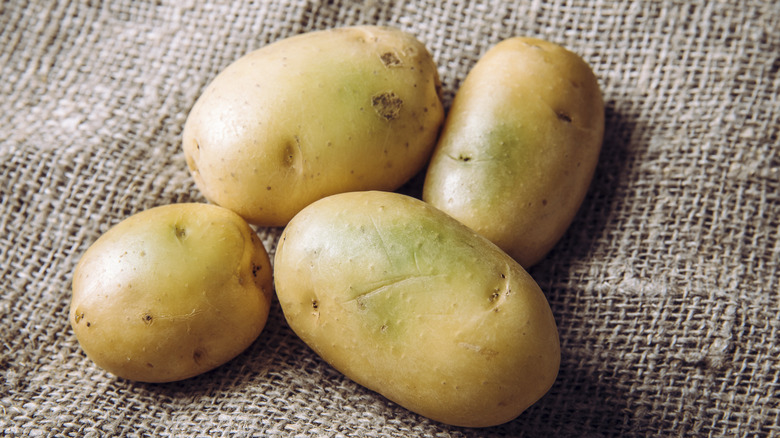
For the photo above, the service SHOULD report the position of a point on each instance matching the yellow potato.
(171, 292)
(412, 304)
(316, 114)
(519, 147)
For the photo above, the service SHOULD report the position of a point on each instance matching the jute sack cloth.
(665, 288)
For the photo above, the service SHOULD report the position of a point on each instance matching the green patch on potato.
(519, 147)
(171, 292)
(410, 303)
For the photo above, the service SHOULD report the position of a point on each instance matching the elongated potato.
(320, 113)
(519, 146)
(410, 303)
(171, 292)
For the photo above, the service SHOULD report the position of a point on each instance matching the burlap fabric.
(666, 288)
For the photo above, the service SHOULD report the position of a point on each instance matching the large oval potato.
(171, 292)
(519, 147)
(320, 113)
(412, 304)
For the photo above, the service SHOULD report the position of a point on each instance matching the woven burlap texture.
(665, 288)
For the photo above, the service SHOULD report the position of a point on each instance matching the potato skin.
(325, 112)
(410, 303)
(171, 292)
(519, 146)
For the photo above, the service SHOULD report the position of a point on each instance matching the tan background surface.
(666, 288)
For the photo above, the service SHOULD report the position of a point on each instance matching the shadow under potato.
(585, 401)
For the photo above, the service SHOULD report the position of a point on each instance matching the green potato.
(412, 304)
(171, 292)
(519, 147)
(320, 113)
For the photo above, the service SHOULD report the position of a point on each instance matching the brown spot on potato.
(288, 155)
(147, 319)
(179, 231)
(198, 355)
(562, 116)
(387, 105)
(389, 59)
(361, 304)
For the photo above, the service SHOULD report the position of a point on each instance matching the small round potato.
(519, 147)
(325, 112)
(408, 302)
(171, 292)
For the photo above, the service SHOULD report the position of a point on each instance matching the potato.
(320, 113)
(410, 303)
(171, 292)
(519, 147)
